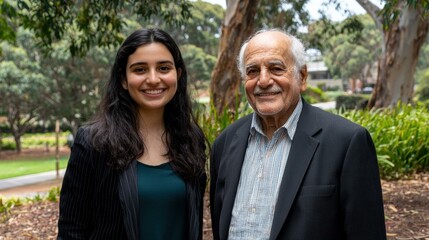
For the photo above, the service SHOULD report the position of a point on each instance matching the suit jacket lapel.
(300, 156)
(128, 195)
(234, 159)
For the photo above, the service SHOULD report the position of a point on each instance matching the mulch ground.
(406, 206)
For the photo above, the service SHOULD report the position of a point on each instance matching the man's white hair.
(297, 50)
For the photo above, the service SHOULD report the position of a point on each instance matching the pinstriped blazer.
(97, 202)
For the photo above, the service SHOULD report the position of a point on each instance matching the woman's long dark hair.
(115, 129)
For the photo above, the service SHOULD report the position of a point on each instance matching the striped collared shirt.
(261, 175)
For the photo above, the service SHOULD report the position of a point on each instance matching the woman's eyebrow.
(145, 63)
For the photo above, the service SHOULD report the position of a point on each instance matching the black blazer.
(330, 188)
(98, 202)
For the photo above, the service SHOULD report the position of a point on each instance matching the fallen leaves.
(407, 207)
(31, 221)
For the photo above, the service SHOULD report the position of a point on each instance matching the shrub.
(401, 137)
(313, 94)
(34, 140)
(401, 134)
(423, 87)
(8, 144)
(213, 124)
(53, 194)
(6, 205)
(43, 139)
(349, 102)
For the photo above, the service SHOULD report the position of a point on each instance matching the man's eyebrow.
(276, 62)
(250, 65)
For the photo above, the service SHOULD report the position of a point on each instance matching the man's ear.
(303, 74)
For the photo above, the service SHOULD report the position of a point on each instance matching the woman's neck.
(151, 122)
(152, 130)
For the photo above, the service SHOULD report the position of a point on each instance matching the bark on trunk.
(402, 43)
(17, 139)
(18, 124)
(236, 28)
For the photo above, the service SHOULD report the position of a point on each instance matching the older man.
(290, 170)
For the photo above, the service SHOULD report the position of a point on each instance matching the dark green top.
(162, 203)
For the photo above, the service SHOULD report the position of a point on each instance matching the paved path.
(29, 179)
(325, 105)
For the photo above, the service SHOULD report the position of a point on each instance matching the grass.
(21, 167)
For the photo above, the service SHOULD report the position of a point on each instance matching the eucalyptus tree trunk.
(236, 28)
(402, 42)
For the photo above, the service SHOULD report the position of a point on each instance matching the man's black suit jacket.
(330, 188)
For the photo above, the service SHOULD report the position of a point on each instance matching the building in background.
(319, 76)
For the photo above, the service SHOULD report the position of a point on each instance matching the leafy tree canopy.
(347, 51)
(85, 23)
(289, 15)
(6, 12)
(392, 10)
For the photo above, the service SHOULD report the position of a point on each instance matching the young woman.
(137, 170)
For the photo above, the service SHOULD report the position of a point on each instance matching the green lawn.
(21, 167)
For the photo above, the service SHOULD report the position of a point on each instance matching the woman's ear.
(179, 73)
(124, 83)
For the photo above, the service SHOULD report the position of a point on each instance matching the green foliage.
(7, 13)
(347, 49)
(22, 85)
(34, 199)
(69, 89)
(213, 123)
(7, 204)
(35, 140)
(85, 24)
(421, 74)
(392, 10)
(7, 144)
(401, 137)
(72, 86)
(349, 102)
(201, 30)
(288, 15)
(423, 87)
(323, 29)
(313, 95)
(53, 194)
(332, 95)
(75, 83)
(199, 63)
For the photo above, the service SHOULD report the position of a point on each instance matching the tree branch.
(372, 10)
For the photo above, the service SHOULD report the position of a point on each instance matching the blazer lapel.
(128, 195)
(234, 158)
(300, 155)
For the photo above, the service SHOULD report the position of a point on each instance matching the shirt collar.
(290, 125)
